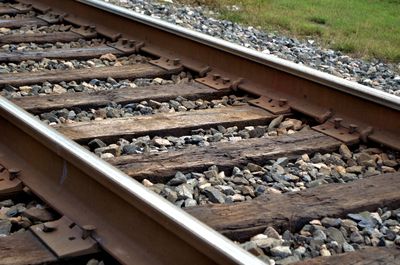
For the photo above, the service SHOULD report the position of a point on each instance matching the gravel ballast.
(328, 236)
(93, 85)
(282, 175)
(54, 64)
(23, 47)
(374, 73)
(113, 110)
(35, 30)
(198, 137)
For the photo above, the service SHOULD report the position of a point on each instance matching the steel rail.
(133, 224)
(299, 70)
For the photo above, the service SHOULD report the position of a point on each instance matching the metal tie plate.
(216, 81)
(168, 64)
(65, 238)
(280, 106)
(9, 183)
(334, 129)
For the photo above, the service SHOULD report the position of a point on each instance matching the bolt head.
(13, 173)
(337, 122)
(225, 80)
(87, 231)
(352, 128)
(216, 76)
(282, 101)
(49, 227)
(89, 228)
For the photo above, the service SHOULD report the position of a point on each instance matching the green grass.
(364, 28)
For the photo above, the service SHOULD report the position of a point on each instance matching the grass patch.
(367, 28)
(318, 20)
(346, 47)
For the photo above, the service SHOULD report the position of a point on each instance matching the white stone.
(281, 251)
(4, 30)
(59, 89)
(147, 183)
(69, 65)
(106, 156)
(109, 57)
(162, 142)
(25, 89)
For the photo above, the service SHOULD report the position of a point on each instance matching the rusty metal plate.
(65, 238)
(340, 133)
(127, 46)
(22, 7)
(274, 106)
(9, 185)
(216, 81)
(86, 31)
(188, 63)
(168, 64)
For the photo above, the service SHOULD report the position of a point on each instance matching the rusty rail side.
(314, 93)
(132, 223)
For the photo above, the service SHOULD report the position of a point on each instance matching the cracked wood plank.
(293, 210)
(158, 167)
(21, 22)
(23, 249)
(53, 37)
(178, 123)
(71, 53)
(142, 70)
(96, 99)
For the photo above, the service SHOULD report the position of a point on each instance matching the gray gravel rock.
(347, 247)
(214, 195)
(184, 191)
(281, 251)
(335, 235)
(96, 143)
(266, 242)
(18, 216)
(38, 214)
(319, 235)
(179, 179)
(272, 233)
(5, 227)
(327, 222)
(252, 248)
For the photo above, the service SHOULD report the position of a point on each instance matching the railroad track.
(254, 149)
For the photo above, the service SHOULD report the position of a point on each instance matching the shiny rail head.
(302, 71)
(165, 210)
